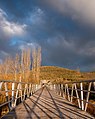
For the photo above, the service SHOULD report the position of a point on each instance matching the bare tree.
(36, 63)
(25, 64)
(28, 64)
(19, 66)
(5, 67)
(16, 66)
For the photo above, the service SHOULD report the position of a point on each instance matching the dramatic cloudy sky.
(65, 29)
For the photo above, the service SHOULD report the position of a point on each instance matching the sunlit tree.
(36, 63)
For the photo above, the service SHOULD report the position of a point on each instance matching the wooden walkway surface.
(46, 104)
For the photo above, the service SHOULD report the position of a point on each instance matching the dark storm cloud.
(64, 37)
(18, 8)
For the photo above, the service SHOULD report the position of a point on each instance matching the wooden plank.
(46, 104)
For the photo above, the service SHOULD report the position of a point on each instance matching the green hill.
(59, 74)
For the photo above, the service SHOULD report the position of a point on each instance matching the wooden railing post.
(77, 95)
(13, 87)
(75, 89)
(29, 90)
(15, 92)
(6, 89)
(7, 96)
(66, 88)
(82, 103)
(64, 91)
(88, 93)
(72, 92)
(1, 83)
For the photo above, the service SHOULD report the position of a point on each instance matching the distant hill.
(88, 75)
(59, 74)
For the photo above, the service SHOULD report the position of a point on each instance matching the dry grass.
(90, 108)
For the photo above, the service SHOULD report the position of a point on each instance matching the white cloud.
(36, 17)
(30, 44)
(10, 28)
(2, 13)
(26, 45)
(4, 53)
(88, 51)
(83, 10)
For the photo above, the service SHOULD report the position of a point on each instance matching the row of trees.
(19, 67)
(36, 63)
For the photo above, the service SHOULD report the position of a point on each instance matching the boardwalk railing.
(13, 92)
(82, 91)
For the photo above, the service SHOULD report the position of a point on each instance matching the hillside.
(89, 75)
(59, 74)
(62, 74)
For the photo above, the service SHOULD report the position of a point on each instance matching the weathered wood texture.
(46, 104)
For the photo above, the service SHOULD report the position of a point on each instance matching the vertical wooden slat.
(77, 95)
(18, 87)
(1, 83)
(72, 92)
(68, 92)
(7, 96)
(13, 87)
(82, 103)
(56, 88)
(6, 89)
(31, 90)
(27, 90)
(88, 93)
(64, 91)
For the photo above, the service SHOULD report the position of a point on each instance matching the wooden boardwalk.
(46, 104)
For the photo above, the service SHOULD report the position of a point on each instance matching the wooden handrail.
(69, 89)
(80, 81)
(17, 90)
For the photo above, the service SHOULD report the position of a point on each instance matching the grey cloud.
(8, 30)
(56, 27)
(80, 10)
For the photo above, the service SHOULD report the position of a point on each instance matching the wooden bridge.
(48, 102)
